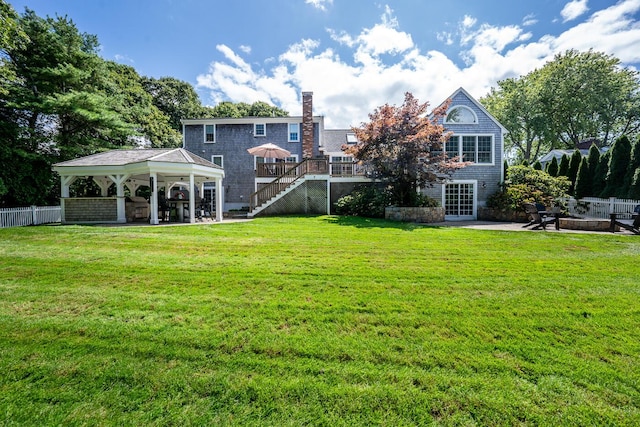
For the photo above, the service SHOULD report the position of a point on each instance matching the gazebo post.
(66, 181)
(119, 181)
(219, 200)
(192, 199)
(153, 177)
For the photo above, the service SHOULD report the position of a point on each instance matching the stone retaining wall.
(585, 224)
(405, 214)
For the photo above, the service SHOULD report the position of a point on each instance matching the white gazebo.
(156, 168)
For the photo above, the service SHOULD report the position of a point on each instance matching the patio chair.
(173, 211)
(539, 218)
(163, 210)
(633, 224)
(205, 210)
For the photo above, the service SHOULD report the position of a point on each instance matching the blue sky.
(354, 55)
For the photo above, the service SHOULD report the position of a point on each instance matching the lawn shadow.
(362, 222)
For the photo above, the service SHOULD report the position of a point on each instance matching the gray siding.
(488, 176)
(232, 142)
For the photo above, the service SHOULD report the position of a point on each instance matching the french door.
(460, 201)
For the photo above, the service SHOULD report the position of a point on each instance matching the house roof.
(557, 153)
(334, 139)
(249, 120)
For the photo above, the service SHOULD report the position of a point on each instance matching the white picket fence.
(29, 215)
(592, 207)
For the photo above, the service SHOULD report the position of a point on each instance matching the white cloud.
(319, 4)
(123, 58)
(574, 9)
(383, 62)
(246, 49)
(529, 20)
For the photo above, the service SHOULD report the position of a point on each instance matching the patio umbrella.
(269, 150)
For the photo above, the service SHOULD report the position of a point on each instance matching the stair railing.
(286, 179)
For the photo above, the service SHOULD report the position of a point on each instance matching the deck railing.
(346, 169)
(266, 170)
(288, 177)
(29, 215)
(343, 169)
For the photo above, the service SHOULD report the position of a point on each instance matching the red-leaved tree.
(403, 147)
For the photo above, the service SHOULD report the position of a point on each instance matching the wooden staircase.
(285, 183)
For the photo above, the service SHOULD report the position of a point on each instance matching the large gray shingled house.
(318, 172)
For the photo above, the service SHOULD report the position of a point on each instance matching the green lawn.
(317, 321)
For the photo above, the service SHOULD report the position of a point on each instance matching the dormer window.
(351, 138)
(461, 115)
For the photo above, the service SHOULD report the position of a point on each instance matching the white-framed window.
(294, 132)
(217, 160)
(209, 134)
(259, 129)
(342, 165)
(461, 114)
(471, 148)
(351, 138)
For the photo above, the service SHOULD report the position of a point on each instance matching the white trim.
(204, 127)
(221, 160)
(289, 132)
(474, 215)
(249, 120)
(255, 130)
(459, 106)
(475, 135)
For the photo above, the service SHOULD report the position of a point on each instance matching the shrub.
(370, 201)
(366, 200)
(528, 185)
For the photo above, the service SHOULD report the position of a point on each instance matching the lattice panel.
(309, 198)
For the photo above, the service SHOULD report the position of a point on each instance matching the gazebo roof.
(176, 163)
(127, 157)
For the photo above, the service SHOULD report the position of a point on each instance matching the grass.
(317, 321)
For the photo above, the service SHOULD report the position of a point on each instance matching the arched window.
(461, 115)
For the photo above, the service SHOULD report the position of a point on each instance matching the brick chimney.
(307, 125)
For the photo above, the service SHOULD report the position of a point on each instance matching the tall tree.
(552, 167)
(59, 93)
(403, 148)
(618, 164)
(592, 160)
(175, 98)
(634, 188)
(632, 168)
(563, 169)
(577, 95)
(262, 109)
(137, 106)
(589, 94)
(574, 164)
(583, 180)
(516, 105)
(600, 175)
